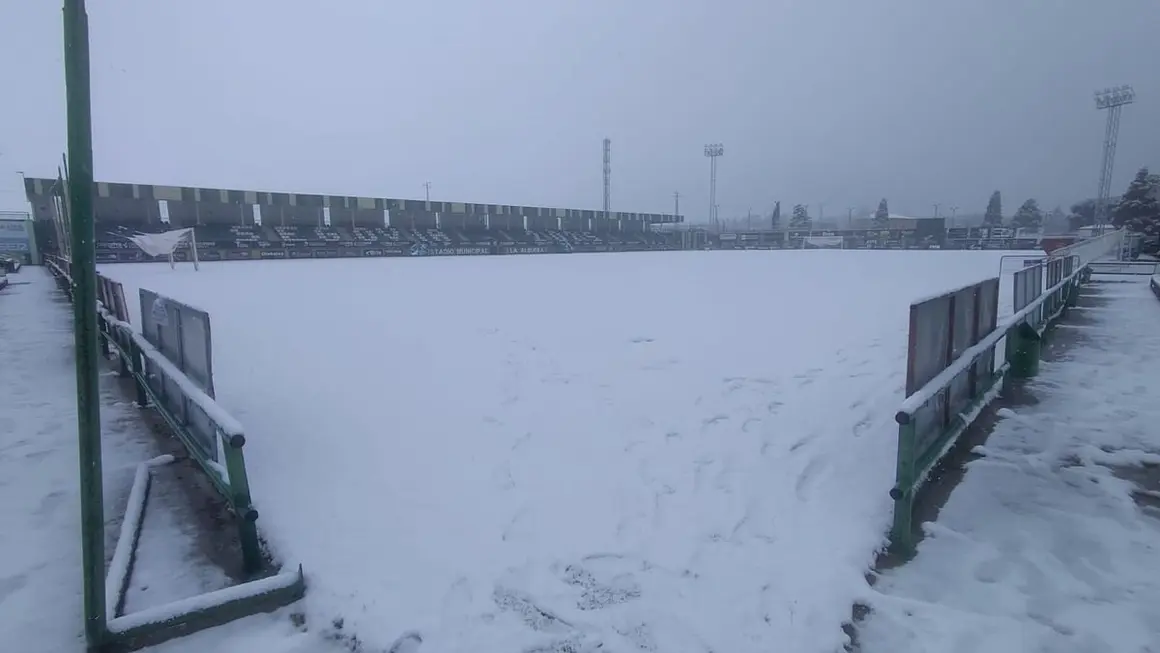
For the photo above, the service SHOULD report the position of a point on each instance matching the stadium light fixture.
(1113, 100)
(1115, 97)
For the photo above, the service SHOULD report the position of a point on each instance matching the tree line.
(1138, 210)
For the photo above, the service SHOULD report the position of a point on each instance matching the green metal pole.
(901, 533)
(246, 514)
(84, 274)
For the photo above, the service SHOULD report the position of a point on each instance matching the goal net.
(166, 243)
(822, 242)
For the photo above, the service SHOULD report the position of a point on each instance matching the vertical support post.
(246, 514)
(138, 371)
(193, 249)
(901, 533)
(84, 273)
(123, 345)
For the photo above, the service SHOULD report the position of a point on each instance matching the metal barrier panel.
(196, 347)
(986, 319)
(1028, 286)
(120, 306)
(930, 333)
(941, 329)
(182, 334)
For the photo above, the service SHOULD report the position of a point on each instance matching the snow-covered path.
(1051, 541)
(672, 452)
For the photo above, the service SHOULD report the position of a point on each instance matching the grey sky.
(838, 102)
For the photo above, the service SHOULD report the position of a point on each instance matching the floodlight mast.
(607, 179)
(1113, 100)
(713, 151)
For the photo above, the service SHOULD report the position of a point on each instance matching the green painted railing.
(231, 481)
(919, 447)
(118, 339)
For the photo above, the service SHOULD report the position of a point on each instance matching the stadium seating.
(249, 241)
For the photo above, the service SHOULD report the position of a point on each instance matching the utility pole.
(676, 204)
(1112, 99)
(849, 217)
(954, 210)
(427, 188)
(713, 151)
(78, 103)
(821, 211)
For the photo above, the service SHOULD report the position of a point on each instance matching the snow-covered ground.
(662, 451)
(40, 556)
(1050, 543)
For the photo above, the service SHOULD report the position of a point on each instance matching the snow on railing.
(922, 442)
(1093, 248)
(139, 358)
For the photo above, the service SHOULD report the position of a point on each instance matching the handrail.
(972, 354)
(933, 418)
(231, 481)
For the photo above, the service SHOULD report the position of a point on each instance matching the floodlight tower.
(607, 177)
(1112, 99)
(713, 151)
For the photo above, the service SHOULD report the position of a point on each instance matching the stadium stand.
(236, 224)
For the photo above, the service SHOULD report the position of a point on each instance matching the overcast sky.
(834, 102)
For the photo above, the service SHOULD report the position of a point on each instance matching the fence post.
(138, 372)
(103, 337)
(1024, 351)
(86, 329)
(123, 344)
(246, 514)
(901, 537)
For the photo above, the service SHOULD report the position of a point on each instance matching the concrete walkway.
(1051, 541)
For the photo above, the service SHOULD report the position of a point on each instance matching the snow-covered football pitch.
(685, 451)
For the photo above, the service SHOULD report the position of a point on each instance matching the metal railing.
(920, 452)
(151, 371)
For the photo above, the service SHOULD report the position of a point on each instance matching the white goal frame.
(824, 242)
(165, 243)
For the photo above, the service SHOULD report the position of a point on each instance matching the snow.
(225, 422)
(119, 569)
(263, 633)
(1043, 547)
(683, 451)
(176, 609)
(969, 355)
(40, 558)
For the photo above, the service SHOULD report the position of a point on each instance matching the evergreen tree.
(1028, 216)
(775, 219)
(994, 215)
(800, 218)
(1055, 220)
(1139, 209)
(1083, 214)
(882, 215)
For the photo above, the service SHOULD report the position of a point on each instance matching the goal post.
(823, 242)
(167, 242)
